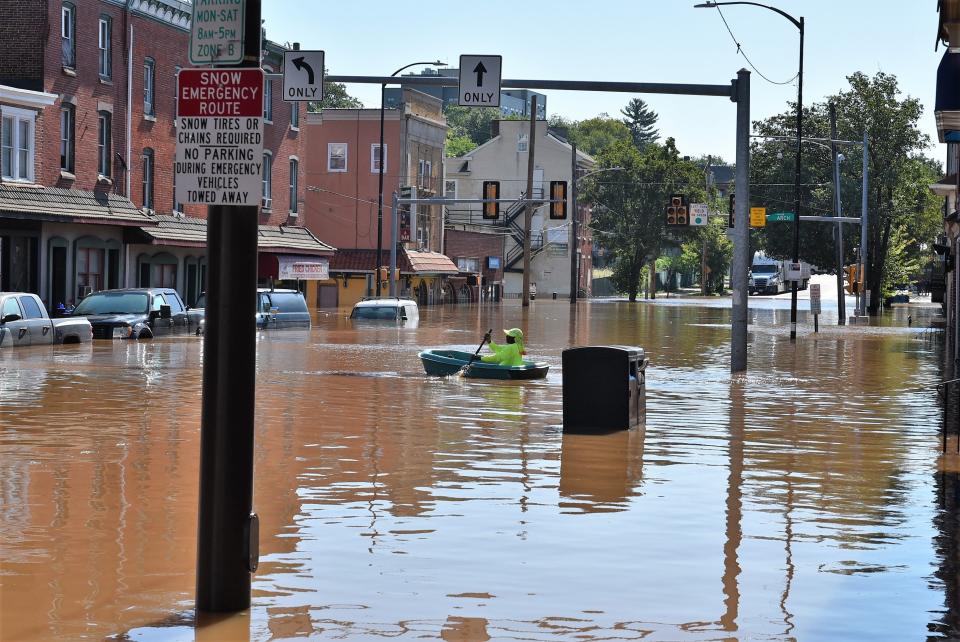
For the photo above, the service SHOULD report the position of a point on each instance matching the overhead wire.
(747, 58)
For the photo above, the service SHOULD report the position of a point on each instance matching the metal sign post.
(227, 528)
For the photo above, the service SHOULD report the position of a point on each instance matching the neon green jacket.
(507, 354)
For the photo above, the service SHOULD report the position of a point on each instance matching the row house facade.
(341, 198)
(88, 108)
(501, 165)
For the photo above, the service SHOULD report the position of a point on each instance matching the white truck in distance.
(770, 276)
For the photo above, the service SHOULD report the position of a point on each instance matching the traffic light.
(558, 200)
(491, 190)
(732, 211)
(384, 274)
(854, 282)
(677, 210)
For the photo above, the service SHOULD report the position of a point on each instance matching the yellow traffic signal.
(558, 200)
(854, 280)
(491, 190)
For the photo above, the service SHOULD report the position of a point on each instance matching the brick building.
(342, 180)
(88, 102)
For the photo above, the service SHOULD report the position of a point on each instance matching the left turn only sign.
(219, 158)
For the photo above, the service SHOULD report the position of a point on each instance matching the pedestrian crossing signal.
(558, 200)
(732, 211)
(491, 190)
(677, 211)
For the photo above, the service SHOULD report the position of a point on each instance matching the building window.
(522, 143)
(16, 144)
(336, 157)
(375, 158)
(177, 205)
(103, 144)
(294, 184)
(294, 115)
(468, 264)
(424, 174)
(68, 36)
(147, 159)
(105, 48)
(89, 269)
(267, 100)
(450, 188)
(176, 81)
(149, 67)
(67, 139)
(267, 201)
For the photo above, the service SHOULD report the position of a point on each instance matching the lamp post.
(383, 89)
(796, 188)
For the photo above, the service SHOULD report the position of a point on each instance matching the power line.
(747, 58)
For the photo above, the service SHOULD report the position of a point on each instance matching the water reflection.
(795, 501)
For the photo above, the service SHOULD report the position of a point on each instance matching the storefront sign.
(219, 158)
(304, 268)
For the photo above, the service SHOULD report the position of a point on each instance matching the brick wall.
(476, 245)
(168, 46)
(23, 27)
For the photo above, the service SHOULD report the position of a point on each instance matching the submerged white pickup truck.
(24, 321)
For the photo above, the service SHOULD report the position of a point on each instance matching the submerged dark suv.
(275, 309)
(134, 313)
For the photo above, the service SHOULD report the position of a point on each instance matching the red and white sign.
(219, 158)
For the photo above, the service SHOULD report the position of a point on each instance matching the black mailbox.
(604, 388)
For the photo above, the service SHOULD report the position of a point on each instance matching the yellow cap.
(516, 333)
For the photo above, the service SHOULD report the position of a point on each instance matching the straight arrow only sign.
(302, 76)
(479, 81)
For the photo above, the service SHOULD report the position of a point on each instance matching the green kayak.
(443, 363)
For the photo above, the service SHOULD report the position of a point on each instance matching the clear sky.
(632, 40)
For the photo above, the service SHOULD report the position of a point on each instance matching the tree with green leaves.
(903, 214)
(641, 121)
(629, 206)
(594, 135)
(473, 123)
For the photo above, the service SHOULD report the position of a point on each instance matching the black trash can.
(604, 388)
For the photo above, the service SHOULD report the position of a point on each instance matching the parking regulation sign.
(219, 159)
(216, 32)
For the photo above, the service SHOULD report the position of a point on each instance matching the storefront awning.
(430, 263)
(408, 261)
(37, 203)
(187, 231)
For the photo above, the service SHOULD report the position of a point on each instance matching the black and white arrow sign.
(302, 76)
(479, 81)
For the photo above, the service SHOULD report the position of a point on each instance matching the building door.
(58, 276)
(113, 269)
(19, 264)
(327, 296)
(538, 183)
(191, 283)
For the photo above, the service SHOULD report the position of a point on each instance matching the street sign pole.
(227, 533)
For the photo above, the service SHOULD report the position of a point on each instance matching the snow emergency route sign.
(219, 158)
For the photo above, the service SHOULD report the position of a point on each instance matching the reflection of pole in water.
(733, 532)
(948, 550)
(788, 546)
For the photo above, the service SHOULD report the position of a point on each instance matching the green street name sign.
(216, 32)
(780, 216)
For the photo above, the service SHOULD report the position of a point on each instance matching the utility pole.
(528, 208)
(575, 224)
(864, 242)
(838, 232)
(227, 529)
(741, 232)
(704, 287)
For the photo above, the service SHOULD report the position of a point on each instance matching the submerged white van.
(385, 309)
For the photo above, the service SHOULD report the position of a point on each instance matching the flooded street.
(801, 501)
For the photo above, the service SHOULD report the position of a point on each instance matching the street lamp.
(383, 157)
(796, 188)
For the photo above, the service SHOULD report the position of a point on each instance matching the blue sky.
(639, 41)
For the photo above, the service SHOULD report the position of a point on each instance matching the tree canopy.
(641, 121)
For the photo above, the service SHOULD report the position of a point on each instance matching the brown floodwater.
(804, 500)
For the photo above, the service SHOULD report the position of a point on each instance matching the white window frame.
(16, 117)
(104, 140)
(294, 184)
(68, 137)
(68, 33)
(374, 149)
(295, 116)
(148, 159)
(446, 187)
(522, 145)
(266, 179)
(346, 154)
(105, 47)
(149, 82)
(267, 99)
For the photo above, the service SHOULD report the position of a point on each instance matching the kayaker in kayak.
(509, 354)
